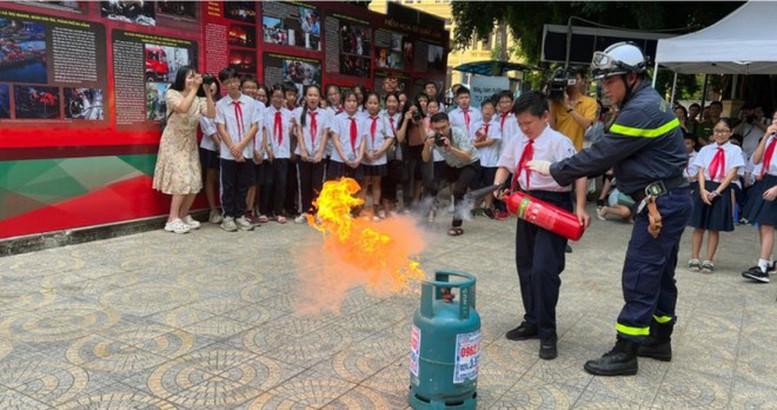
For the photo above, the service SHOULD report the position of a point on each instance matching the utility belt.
(658, 188)
(647, 197)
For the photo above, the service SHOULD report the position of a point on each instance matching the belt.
(667, 185)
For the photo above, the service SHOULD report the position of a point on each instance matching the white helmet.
(619, 58)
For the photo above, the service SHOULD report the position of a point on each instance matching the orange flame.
(358, 251)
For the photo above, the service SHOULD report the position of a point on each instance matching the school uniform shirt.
(771, 167)
(376, 137)
(550, 145)
(459, 119)
(489, 156)
(508, 127)
(332, 113)
(733, 158)
(342, 127)
(238, 116)
(208, 128)
(312, 138)
(278, 125)
(394, 122)
(691, 169)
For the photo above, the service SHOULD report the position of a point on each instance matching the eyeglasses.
(721, 132)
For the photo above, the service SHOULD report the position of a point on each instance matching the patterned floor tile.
(118, 396)
(59, 322)
(689, 388)
(367, 399)
(393, 379)
(111, 358)
(44, 379)
(11, 399)
(217, 328)
(533, 393)
(269, 401)
(312, 389)
(314, 347)
(254, 314)
(596, 400)
(146, 299)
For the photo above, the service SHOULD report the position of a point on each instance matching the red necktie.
(239, 118)
(502, 123)
(768, 157)
(373, 128)
(393, 130)
(339, 110)
(466, 119)
(354, 133)
(485, 129)
(718, 165)
(526, 156)
(278, 127)
(313, 126)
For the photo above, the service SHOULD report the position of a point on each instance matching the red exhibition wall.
(82, 88)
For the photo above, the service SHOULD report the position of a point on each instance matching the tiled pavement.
(205, 320)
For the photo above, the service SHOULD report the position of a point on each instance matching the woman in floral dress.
(178, 171)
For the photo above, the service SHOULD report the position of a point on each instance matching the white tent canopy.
(744, 42)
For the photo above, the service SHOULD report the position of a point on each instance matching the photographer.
(572, 112)
(751, 127)
(462, 158)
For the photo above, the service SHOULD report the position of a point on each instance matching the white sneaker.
(600, 214)
(244, 224)
(382, 214)
(193, 223)
(215, 217)
(301, 219)
(228, 224)
(375, 218)
(177, 226)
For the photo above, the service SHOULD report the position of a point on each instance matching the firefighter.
(646, 149)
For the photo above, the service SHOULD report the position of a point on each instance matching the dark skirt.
(375, 170)
(756, 208)
(719, 217)
(336, 170)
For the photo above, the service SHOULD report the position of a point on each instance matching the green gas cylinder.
(445, 344)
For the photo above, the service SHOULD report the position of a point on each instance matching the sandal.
(455, 231)
(263, 219)
(694, 265)
(707, 267)
(280, 219)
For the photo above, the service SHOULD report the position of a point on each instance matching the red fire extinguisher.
(544, 215)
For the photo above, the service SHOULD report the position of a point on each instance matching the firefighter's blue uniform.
(645, 144)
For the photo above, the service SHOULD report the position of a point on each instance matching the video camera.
(561, 79)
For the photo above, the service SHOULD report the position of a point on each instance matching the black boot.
(620, 361)
(660, 345)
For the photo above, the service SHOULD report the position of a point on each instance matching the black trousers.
(461, 178)
(291, 202)
(311, 177)
(540, 259)
(273, 196)
(236, 178)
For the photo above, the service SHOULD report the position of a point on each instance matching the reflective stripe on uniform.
(662, 319)
(645, 132)
(632, 331)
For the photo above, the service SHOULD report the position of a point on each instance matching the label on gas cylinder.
(467, 357)
(415, 349)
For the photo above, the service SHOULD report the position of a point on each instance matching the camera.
(438, 141)
(559, 82)
(417, 116)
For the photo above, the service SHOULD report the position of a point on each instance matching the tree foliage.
(526, 19)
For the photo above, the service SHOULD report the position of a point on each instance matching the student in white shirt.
(348, 137)
(276, 141)
(487, 139)
(378, 141)
(396, 165)
(312, 132)
(209, 157)
(539, 253)
(237, 122)
(718, 164)
(463, 116)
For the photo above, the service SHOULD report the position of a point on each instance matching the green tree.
(526, 19)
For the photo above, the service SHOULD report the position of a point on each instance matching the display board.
(82, 88)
